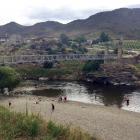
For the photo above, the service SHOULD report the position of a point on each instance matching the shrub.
(54, 130)
(92, 66)
(48, 65)
(104, 37)
(9, 78)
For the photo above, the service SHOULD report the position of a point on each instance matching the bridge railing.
(61, 57)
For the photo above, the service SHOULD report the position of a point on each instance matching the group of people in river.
(62, 98)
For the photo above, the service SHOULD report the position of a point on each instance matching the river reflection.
(91, 93)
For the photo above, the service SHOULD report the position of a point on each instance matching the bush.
(54, 130)
(64, 39)
(81, 39)
(104, 37)
(48, 65)
(92, 66)
(9, 78)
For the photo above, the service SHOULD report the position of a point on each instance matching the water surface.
(95, 94)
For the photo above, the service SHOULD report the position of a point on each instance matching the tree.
(64, 39)
(92, 66)
(104, 37)
(48, 65)
(9, 78)
(80, 39)
(82, 50)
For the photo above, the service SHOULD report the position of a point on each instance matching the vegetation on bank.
(66, 70)
(92, 66)
(9, 78)
(137, 69)
(62, 69)
(17, 126)
(42, 72)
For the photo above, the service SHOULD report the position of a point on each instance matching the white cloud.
(32, 11)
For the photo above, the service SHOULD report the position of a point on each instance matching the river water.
(94, 94)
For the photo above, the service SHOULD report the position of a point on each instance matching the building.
(3, 39)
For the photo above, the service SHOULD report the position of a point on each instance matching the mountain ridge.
(123, 21)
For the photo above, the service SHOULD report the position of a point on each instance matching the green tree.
(80, 39)
(48, 65)
(104, 37)
(92, 66)
(9, 78)
(64, 39)
(82, 50)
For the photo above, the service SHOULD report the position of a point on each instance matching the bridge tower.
(106, 52)
(120, 50)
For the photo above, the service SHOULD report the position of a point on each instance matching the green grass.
(65, 68)
(17, 126)
(68, 70)
(14, 125)
(72, 65)
(41, 72)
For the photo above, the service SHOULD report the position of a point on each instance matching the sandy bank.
(107, 123)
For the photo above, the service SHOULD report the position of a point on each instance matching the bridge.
(19, 59)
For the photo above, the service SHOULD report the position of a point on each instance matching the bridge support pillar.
(120, 50)
(3, 60)
(106, 53)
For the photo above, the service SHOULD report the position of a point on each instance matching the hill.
(118, 22)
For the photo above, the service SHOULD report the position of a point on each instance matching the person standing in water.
(65, 98)
(60, 99)
(127, 100)
(53, 107)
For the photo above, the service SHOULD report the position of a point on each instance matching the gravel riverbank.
(107, 123)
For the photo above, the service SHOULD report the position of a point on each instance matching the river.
(94, 94)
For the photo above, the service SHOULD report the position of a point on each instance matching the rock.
(119, 73)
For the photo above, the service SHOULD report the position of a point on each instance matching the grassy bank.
(17, 126)
(63, 70)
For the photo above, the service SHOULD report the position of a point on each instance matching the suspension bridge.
(20, 59)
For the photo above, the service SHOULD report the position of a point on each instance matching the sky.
(28, 12)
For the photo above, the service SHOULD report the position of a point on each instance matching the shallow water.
(91, 93)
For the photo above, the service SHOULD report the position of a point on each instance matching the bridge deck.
(15, 59)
